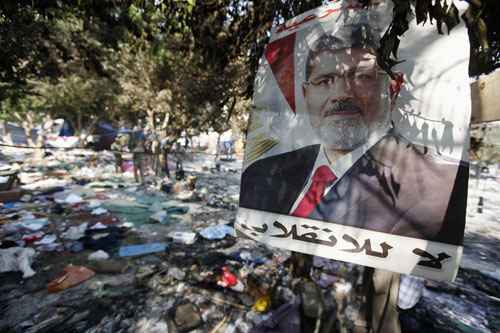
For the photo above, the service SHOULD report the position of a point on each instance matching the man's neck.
(334, 154)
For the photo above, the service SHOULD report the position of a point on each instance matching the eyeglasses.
(358, 78)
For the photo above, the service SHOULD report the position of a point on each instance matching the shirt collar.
(341, 165)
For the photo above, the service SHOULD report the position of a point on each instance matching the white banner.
(400, 254)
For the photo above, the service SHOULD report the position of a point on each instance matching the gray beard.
(348, 134)
(344, 134)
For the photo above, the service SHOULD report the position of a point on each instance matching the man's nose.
(344, 86)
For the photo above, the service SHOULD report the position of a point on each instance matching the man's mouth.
(342, 108)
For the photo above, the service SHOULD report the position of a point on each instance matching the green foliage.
(202, 55)
(181, 65)
(483, 26)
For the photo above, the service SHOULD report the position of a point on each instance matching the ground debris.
(169, 261)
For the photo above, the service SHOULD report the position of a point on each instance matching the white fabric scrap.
(75, 233)
(17, 259)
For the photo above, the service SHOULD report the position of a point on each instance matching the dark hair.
(360, 36)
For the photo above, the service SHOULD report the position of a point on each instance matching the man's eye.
(363, 76)
(324, 81)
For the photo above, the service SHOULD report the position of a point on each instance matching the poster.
(344, 162)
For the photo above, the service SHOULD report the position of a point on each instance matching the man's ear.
(395, 87)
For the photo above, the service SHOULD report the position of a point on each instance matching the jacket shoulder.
(273, 183)
(285, 162)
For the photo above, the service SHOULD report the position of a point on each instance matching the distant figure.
(137, 147)
(413, 130)
(447, 138)
(118, 147)
(404, 125)
(436, 140)
(156, 152)
(166, 169)
(425, 136)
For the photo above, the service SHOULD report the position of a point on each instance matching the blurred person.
(137, 147)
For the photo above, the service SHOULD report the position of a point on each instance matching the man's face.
(343, 97)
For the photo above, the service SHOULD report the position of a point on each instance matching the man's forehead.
(353, 55)
(358, 58)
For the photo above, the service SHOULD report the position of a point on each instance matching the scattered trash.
(248, 257)
(110, 266)
(10, 196)
(99, 211)
(75, 233)
(17, 259)
(166, 187)
(187, 317)
(98, 226)
(216, 283)
(183, 237)
(176, 273)
(94, 204)
(284, 319)
(128, 211)
(30, 238)
(52, 247)
(229, 280)
(72, 276)
(74, 247)
(312, 302)
(48, 239)
(34, 224)
(177, 210)
(217, 232)
(138, 250)
(262, 304)
(160, 216)
(99, 255)
(103, 239)
(73, 199)
(9, 205)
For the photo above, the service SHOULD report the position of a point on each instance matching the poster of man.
(342, 181)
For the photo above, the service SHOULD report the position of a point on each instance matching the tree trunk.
(151, 119)
(217, 147)
(88, 131)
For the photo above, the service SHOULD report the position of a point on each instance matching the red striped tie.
(322, 178)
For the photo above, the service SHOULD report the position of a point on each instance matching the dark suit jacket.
(396, 187)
